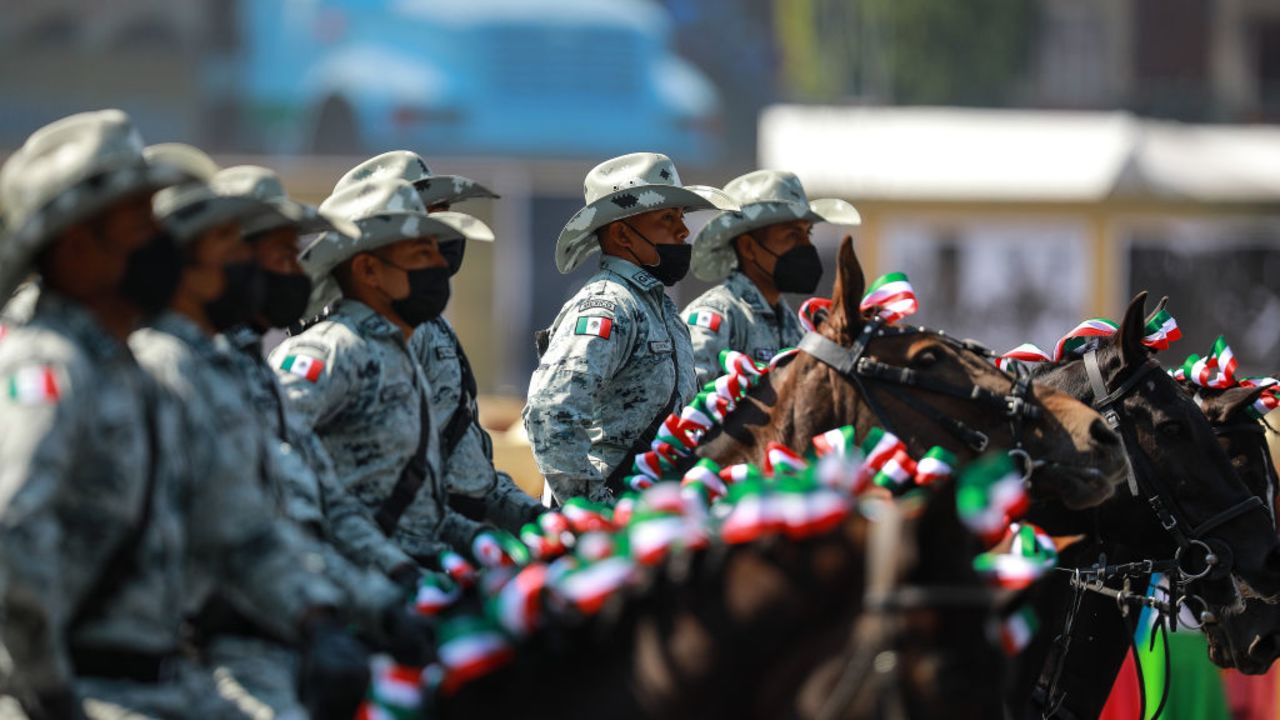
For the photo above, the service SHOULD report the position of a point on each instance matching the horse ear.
(1221, 407)
(846, 296)
(1132, 330)
(1164, 301)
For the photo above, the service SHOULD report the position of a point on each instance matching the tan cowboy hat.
(191, 160)
(623, 187)
(410, 167)
(264, 184)
(65, 172)
(385, 211)
(765, 197)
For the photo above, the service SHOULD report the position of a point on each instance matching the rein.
(1142, 482)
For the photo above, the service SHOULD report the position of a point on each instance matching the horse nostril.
(1103, 435)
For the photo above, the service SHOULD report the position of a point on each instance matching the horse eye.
(924, 359)
(1171, 429)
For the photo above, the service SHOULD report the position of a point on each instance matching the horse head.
(1183, 493)
(928, 388)
(1248, 639)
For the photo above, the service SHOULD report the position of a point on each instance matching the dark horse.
(1184, 499)
(736, 630)
(1248, 639)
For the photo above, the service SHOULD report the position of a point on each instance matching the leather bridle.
(855, 364)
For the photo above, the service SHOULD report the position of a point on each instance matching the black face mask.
(673, 260)
(286, 298)
(428, 294)
(151, 274)
(453, 250)
(243, 292)
(797, 270)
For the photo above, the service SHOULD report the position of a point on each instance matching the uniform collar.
(633, 274)
(80, 324)
(745, 288)
(367, 320)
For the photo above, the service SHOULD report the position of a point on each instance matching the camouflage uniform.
(259, 673)
(312, 494)
(365, 402)
(736, 316)
(468, 450)
(202, 378)
(599, 385)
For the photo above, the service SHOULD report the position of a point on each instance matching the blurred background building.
(1026, 162)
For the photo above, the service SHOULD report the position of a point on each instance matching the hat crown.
(633, 170)
(189, 160)
(394, 165)
(374, 197)
(63, 153)
(772, 186)
(250, 181)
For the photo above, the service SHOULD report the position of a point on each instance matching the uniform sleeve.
(586, 350)
(351, 529)
(37, 448)
(272, 570)
(710, 331)
(314, 385)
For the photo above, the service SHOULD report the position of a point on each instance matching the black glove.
(407, 576)
(335, 671)
(411, 638)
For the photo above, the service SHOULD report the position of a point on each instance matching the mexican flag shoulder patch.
(304, 366)
(705, 319)
(33, 385)
(595, 325)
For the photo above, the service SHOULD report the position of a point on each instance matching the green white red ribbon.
(457, 567)
(1018, 630)
(706, 474)
(891, 297)
(1030, 554)
(1269, 399)
(470, 647)
(1024, 353)
(779, 458)
(395, 692)
(589, 586)
(1081, 335)
(812, 312)
(435, 593)
(936, 465)
(517, 605)
(585, 516)
(1161, 330)
(839, 442)
(989, 495)
(1215, 370)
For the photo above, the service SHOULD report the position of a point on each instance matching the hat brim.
(450, 189)
(332, 249)
(188, 222)
(713, 254)
(577, 240)
(81, 201)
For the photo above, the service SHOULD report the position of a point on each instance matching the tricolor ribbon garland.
(1161, 330)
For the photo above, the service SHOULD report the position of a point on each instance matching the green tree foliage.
(952, 52)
